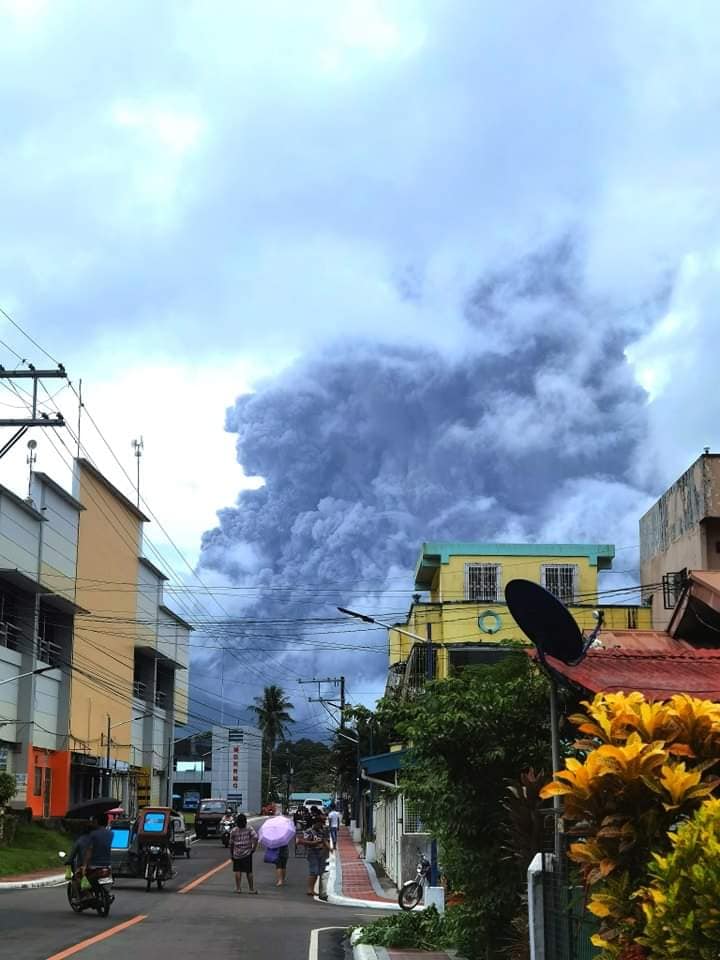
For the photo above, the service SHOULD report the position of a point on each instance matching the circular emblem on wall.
(489, 622)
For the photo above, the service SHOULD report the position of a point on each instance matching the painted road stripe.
(201, 879)
(100, 936)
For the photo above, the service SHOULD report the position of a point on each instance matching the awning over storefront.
(383, 762)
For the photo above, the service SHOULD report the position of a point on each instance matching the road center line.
(201, 879)
(100, 936)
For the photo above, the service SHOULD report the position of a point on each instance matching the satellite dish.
(32, 444)
(545, 621)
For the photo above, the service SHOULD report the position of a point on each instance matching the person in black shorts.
(281, 865)
(242, 844)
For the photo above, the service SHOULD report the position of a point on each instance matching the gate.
(567, 923)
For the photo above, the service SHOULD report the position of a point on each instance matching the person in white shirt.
(333, 825)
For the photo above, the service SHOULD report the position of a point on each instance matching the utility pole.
(106, 786)
(31, 459)
(33, 419)
(138, 446)
(338, 705)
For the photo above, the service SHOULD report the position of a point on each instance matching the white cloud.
(188, 468)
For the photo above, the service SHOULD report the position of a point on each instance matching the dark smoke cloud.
(368, 449)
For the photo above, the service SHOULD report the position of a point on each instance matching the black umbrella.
(91, 808)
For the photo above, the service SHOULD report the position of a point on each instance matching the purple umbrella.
(276, 832)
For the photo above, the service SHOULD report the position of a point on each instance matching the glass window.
(482, 582)
(560, 579)
(37, 788)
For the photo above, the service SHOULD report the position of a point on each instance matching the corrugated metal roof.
(639, 641)
(657, 675)
(711, 578)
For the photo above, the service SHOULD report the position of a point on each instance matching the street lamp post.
(358, 788)
(426, 641)
(112, 726)
(30, 673)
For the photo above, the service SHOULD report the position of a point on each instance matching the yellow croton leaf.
(682, 785)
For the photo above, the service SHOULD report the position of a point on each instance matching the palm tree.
(271, 711)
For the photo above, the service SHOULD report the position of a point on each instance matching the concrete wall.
(681, 530)
(109, 546)
(9, 667)
(19, 535)
(248, 754)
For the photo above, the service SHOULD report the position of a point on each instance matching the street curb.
(54, 881)
(366, 951)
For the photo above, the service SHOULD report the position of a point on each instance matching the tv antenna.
(30, 460)
(138, 447)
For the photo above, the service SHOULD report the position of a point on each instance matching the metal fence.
(567, 923)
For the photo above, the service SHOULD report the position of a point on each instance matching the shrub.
(420, 930)
(682, 919)
(469, 736)
(7, 788)
(624, 796)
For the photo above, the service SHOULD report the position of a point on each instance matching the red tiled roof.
(657, 675)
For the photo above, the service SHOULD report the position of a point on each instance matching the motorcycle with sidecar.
(144, 848)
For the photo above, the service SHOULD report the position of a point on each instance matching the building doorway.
(47, 791)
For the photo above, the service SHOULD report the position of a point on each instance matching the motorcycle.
(90, 892)
(158, 865)
(226, 825)
(411, 892)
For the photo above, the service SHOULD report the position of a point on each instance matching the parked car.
(208, 817)
(181, 836)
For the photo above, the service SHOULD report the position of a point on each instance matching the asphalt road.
(208, 922)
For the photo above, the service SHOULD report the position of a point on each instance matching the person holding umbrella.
(275, 835)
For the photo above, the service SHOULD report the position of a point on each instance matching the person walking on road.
(333, 826)
(242, 844)
(316, 841)
(281, 865)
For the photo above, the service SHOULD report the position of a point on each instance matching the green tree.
(273, 719)
(310, 762)
(467, 737)
(375, 730)
(7, 790)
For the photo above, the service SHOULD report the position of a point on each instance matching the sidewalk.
(356, 879)
(28, 881)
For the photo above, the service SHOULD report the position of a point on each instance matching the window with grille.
(412, 821)
(560, 579)
(48, 648)
(482, 582)
(9, 631)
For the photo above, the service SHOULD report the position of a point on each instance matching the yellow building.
(465, 616)
(130, 655)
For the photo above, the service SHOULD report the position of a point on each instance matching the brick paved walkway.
(355, 878)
